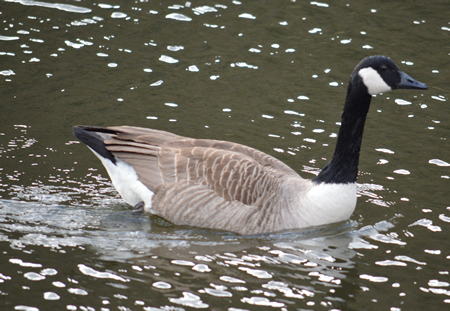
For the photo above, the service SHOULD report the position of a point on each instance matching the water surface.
(269, 75)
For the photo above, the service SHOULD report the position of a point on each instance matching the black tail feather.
(89, 136)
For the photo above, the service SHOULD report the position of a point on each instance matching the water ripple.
(51, 296)
(100, 275)
(262, 301)
(179, 17)
(33, 276)
(59, 6)
(190, 300)
(162, 285)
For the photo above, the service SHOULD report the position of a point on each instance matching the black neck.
(343, 167)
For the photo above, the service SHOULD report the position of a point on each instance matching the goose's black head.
(373, 75)
(380, 74)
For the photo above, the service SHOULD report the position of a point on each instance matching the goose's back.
(161, 157)
(207, 183)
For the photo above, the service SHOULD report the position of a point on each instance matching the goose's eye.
(383, 67)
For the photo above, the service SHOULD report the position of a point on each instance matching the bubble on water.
(201, 268)
(402, 102)
(402, 172)
(168, 59)
(230, 279)
(193, 68)
(77, 291)
(162, 285)
(438, 162)
(178, 17)
(375, 279)
(262, 301)
(33, 276)
(189, 300)
(25, 308)
(58, 284)
(183, 263)
(260, 274)
(118, 15)
(100, 275)
(51, 296)
(24, 264)
(391, 263)
(247, 15)
(49, 271)
(217, 292)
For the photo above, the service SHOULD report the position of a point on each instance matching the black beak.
(409, 83)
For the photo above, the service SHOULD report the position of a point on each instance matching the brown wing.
(234, 171)
(205, 183)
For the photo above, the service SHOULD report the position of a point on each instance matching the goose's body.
(232, 187)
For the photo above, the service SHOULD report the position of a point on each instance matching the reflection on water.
(269, 75)
(252, 270)
(189, 267)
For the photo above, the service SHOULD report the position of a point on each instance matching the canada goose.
(228, 186)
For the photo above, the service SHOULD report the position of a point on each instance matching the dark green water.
(268, 74)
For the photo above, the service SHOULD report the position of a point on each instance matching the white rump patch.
(126, 182)
(373, 81)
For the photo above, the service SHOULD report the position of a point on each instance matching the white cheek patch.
(373, 81)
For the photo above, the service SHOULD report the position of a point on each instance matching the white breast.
(328, 203)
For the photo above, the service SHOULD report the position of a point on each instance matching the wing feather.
(232, 171)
